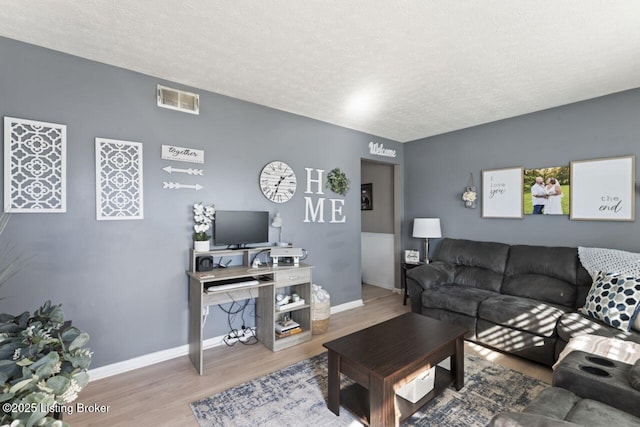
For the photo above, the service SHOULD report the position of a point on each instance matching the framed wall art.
(411, 256)
(502, 193)
(603, 189)
(366, 197)
(35, 170)
(118, 180)
(547, 190)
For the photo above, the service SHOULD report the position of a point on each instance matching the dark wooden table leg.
(334, 382)
(403, 284)
(382, 403)
(457, 364)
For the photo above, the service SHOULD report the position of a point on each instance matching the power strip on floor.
(242, 336)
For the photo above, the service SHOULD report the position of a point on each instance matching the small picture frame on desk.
(411, 257)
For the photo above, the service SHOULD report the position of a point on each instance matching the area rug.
(297, 395)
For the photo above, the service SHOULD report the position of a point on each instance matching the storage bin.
(418, 388)
(320, 310)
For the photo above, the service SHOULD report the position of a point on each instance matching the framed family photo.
(502, 193)
(547, 190)
(603, 189)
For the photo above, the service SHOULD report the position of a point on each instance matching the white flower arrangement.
(469, 196)
(203, 217)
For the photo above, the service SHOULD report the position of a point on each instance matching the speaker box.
(204, 263)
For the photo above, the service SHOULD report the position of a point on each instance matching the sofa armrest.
(613, 389)
(427, 277)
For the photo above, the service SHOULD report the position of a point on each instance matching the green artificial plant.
(338, 182)
(43, 366)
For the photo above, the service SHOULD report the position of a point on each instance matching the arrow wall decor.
(190, 171)
(178, 186)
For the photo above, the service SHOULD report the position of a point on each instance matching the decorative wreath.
(338, 182)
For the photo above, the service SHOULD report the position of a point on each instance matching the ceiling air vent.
(180, 100)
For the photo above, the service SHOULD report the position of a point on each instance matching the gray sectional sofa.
(518, 299)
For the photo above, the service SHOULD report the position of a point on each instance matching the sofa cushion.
(575, 324)
(547, 274)
(465, 321)
(478, 278)
(520, 419)
(614, 299)
(522, 313)
(488, 255)
(521, 343)
(558, 403)
(456, 298)
(589, 412)
(553, 402)
(478, 264)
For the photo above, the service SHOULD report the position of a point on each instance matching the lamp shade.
(277, 220)
(426, 227)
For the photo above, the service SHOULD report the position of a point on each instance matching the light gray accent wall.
(437, 170)
(124, 282)
(380, 219)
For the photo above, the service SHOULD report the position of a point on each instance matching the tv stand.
(271, 281)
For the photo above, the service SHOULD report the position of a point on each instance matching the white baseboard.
(183, 350)
(347, 306)
(148, 359)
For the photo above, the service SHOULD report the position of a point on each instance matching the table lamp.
(426, 228)
(277, 223)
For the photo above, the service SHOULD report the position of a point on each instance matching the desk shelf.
(289, 310)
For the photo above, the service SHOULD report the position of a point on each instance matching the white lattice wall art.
(118, 180)
(34, 166)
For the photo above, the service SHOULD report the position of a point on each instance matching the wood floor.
(159, 395)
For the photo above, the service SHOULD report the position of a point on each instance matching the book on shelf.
(290, 332)
(283, 327)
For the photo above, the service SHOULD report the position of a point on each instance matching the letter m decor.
(34, 166)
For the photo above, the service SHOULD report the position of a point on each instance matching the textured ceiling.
(416, 68)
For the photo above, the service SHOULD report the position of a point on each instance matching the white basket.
(418, 388)
(320, 310)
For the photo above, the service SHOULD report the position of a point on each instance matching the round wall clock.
(278, 182)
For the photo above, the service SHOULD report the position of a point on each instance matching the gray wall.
(380, 219)
(123, 281)
(437, 170)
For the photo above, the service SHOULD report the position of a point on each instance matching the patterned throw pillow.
(614, 299)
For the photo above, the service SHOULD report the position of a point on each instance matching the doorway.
(381, 209)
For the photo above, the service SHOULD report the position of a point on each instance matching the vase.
(201, 245)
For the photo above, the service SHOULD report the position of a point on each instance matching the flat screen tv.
(240, 228)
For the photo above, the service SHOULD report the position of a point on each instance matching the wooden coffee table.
(386, 356)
